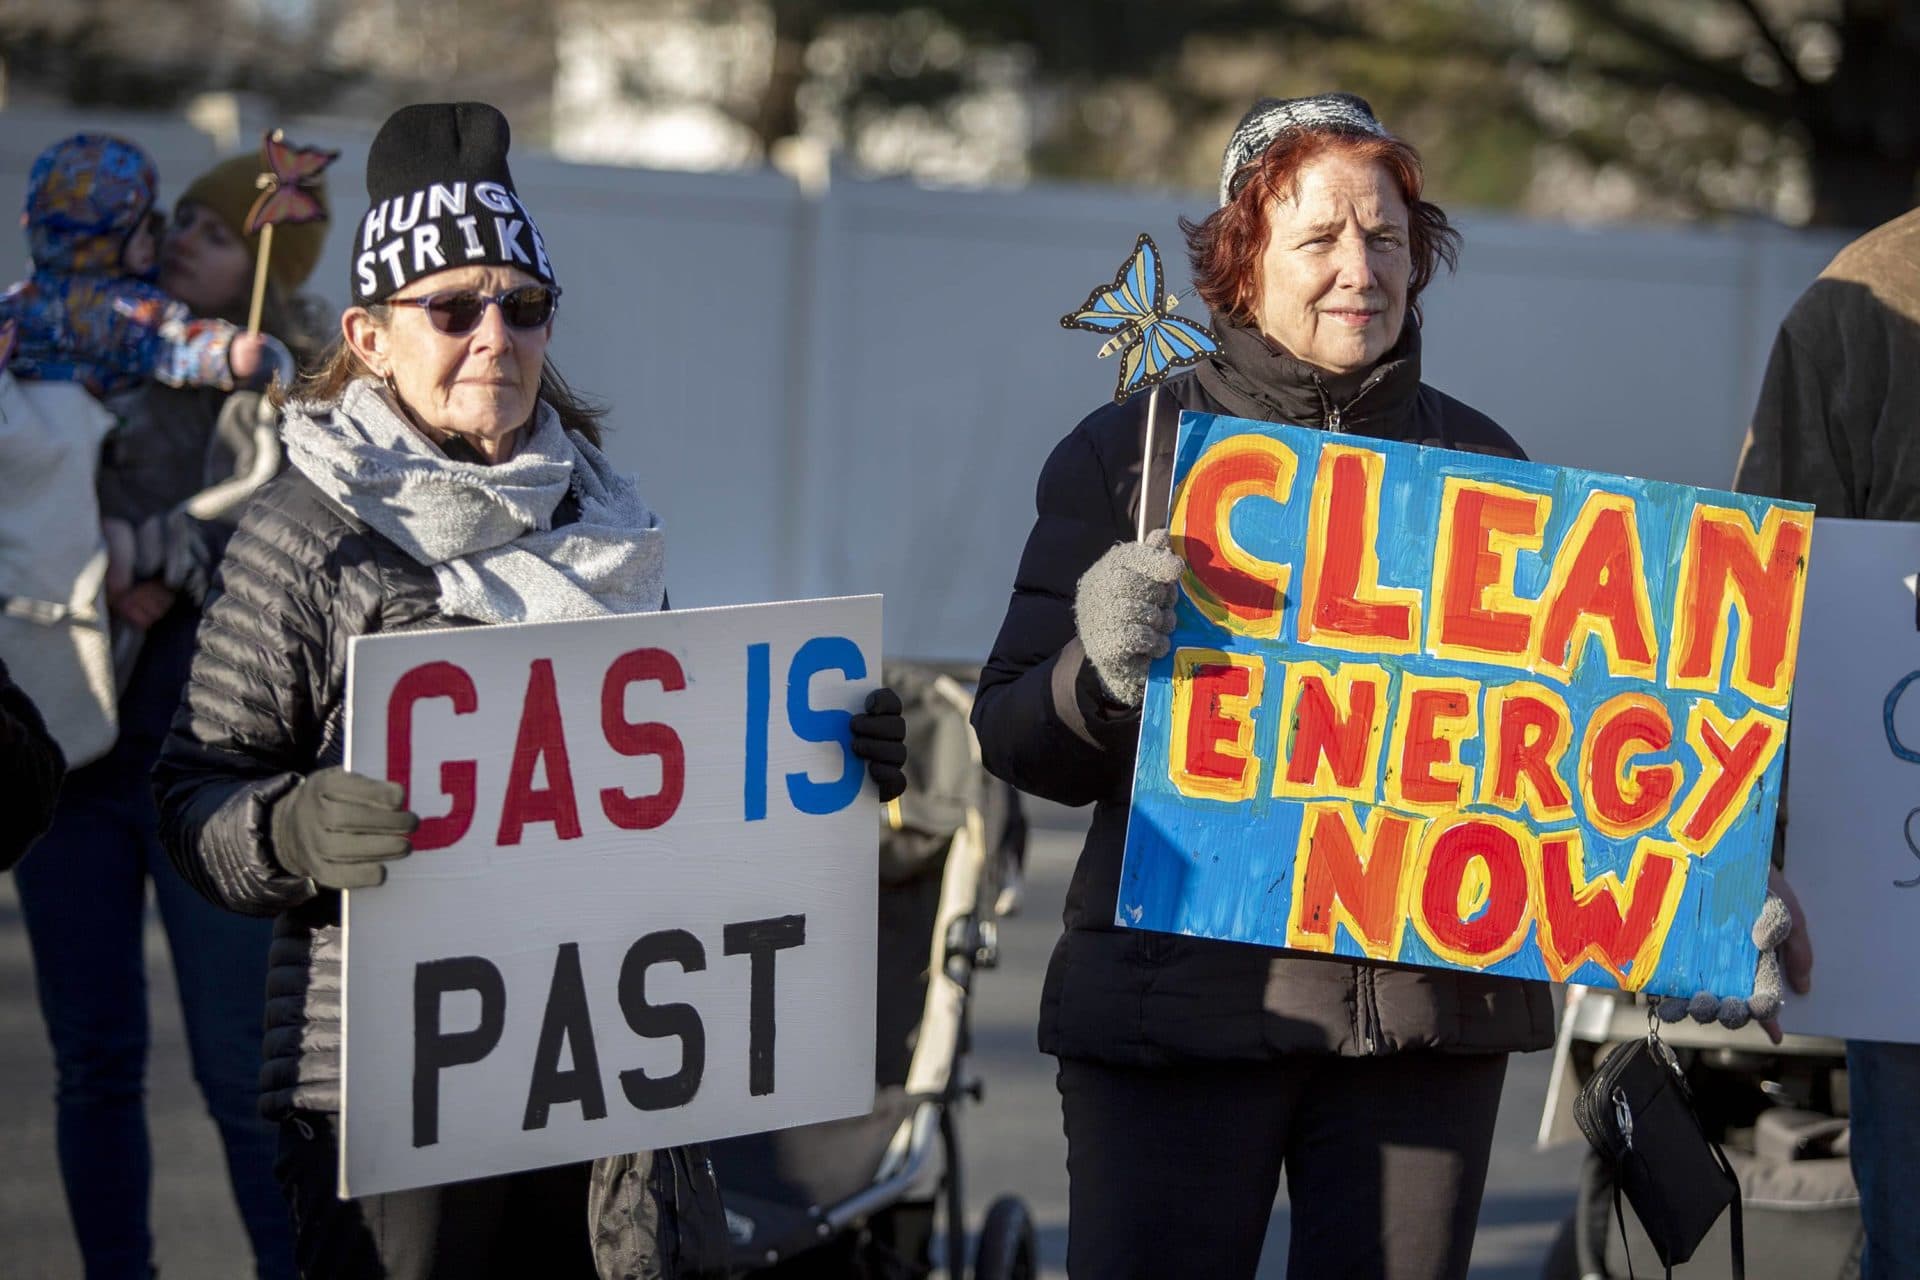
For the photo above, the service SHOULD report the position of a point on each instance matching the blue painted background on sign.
(1224, 869)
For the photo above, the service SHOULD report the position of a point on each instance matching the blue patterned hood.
(85, 195)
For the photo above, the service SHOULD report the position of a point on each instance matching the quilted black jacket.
(1045, 725)
(266, 705)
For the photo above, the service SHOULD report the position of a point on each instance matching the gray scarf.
(487, 531)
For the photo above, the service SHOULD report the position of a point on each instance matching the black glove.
(880, 738)
(336, 828)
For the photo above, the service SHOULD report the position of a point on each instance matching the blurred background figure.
(1836, 426)
(84, 893)
(90, 313)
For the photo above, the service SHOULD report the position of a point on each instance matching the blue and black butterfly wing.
(1167, 343)
(1134, 310)
(1129, 301)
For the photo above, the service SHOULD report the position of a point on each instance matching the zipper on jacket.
(1369, 1012)
(1330, 413)
(1336, 415)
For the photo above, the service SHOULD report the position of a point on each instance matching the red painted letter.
(1207, 727)
(1603, 583)
(1473, 566)
(1618, 806)
(1724, 558)
(650, 738)
(541, 737)
(1338, 884)
(1423, 748)
(1235, 588)
(1343, 595)
(1529, 727)
(1582, 919)
(1319, 729)
(1461, 933)
(1738, 763)
(433, 680)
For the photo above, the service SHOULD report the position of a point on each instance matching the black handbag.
(1638, 1113)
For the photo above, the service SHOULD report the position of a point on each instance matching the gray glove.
(1123, 610)
(336, 828)
(1769, 933)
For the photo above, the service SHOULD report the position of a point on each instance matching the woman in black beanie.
(442, 474)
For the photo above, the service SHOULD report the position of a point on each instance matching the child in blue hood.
(90, 312)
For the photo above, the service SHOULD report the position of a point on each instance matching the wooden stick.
(1146, 462)
(260, 280)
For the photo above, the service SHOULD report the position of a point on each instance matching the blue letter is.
(823, 653)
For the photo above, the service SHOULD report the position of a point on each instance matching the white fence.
(855, 392)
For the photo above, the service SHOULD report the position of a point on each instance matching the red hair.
(1226, 247)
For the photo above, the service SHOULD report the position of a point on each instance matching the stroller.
(856, 1199)
(1780, 1112)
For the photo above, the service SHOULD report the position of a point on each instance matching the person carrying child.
(90, 313)
(92, 884)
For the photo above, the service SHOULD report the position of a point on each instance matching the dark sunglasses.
(458, 311)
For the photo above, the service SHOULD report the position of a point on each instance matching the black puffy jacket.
(266, 705)
(1140, 998)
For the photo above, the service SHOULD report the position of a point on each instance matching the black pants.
(521, 1224)
(1172, 1171)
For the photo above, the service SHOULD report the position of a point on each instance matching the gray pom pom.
(1733, 1013)
(1704, 1008)
(1670, 1008)
(1765, 1001)
(1773, 926)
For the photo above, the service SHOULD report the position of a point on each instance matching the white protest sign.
(641, 906)
(1853, 782)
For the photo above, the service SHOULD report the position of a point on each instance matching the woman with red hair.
(1193, 1073)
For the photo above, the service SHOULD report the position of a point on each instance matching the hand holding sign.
(880, 738)
(1786, 953)
(1123, 609)
(336, 828)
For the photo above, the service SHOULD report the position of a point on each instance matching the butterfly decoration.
(287, 188)
(1153, 342)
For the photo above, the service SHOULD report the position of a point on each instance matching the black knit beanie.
(1268, 118)
(442, 197)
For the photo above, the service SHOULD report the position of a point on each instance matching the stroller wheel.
(1006, 1249)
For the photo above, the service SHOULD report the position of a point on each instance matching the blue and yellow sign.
(1467, 712)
